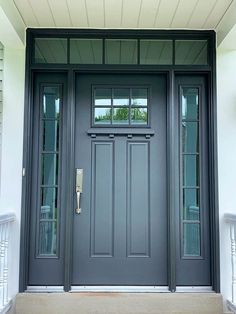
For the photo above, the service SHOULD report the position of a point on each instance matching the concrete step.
(118, 303)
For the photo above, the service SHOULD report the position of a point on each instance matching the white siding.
(1, 97)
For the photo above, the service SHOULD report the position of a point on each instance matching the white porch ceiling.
(184, 14)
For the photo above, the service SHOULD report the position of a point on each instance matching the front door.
(120, 234)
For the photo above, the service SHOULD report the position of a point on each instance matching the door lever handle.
(78, 208)
(79, 185)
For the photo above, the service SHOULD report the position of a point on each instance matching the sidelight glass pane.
(51, 102)
(86, 51)
(121, 51)
(191, 52)
(190, 105)
(50, 135)
(191, 240)
(102, 97)
(156, 52)
(49, 169)
(139, 97)
(139, 116)
(120, 116)
(50, 50)
(191, 170)
(191, 204)
(190, 137)
(121, 96)
(102, 116)
(47, 238)
(49, 209)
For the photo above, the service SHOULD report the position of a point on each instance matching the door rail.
(231, 220)
(6, 221)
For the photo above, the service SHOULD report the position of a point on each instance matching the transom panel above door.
(120, 235)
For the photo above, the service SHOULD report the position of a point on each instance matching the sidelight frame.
(209, 71)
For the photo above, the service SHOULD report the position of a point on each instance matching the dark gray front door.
(120, 236)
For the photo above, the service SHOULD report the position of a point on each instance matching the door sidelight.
(79, 186)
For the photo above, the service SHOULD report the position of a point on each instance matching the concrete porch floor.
(118, 303)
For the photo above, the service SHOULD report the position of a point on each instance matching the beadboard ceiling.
(184, 14)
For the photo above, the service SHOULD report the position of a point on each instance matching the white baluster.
(5, 268)
(1, 264)
(6, 220)
(233, 260)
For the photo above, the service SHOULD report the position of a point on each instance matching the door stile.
(172, 157)
(70, 174)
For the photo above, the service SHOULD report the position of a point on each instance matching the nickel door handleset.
(79, 188)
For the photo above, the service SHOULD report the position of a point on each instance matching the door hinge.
(23, 172)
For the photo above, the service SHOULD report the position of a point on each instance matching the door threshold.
(33, 289)
(195, 289)
(129, 289)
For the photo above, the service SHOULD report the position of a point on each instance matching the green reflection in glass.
(49, 169)
(102, 116)
(190, 137)
(120, 116)
(139, 116)
(47, 238)
(191, 170)
(191, 240)
(50, 135)
(191, 204)
(49, 208)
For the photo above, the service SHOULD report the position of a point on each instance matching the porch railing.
(6, 221)
(231, 220)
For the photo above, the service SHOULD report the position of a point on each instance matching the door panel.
(193, 226)
(120, 237)
(46, 251)
(102, 222)
(138, 208)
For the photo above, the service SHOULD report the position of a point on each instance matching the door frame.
(172, 142)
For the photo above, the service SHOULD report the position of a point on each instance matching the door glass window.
(50, 50)
(156, 52)
(50, 139)
(121, 96)
(102, 116)
(191, 215)
(191, 52)
(126, 51)
(120, 106)
(121, 51)
(102, 97)
(86, 51)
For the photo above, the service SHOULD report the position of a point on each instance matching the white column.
(12, 151)
(233, 259)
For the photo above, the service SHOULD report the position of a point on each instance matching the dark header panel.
(86, 47)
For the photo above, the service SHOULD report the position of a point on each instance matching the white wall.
(226, 85)
(12, 149)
